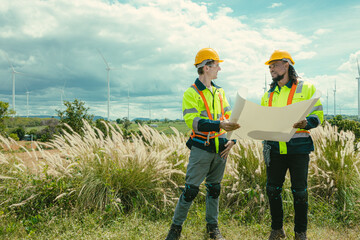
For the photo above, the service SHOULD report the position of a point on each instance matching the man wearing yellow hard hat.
(205, 111)
(287, 88)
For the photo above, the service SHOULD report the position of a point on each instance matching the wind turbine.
(327, 102)
(108, 84)
(13, 80)
(335, 100)
(27, 102)
(358, 78)
(265, 87)
(128, 105)
(62, 95)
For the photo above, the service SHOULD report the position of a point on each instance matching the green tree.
(74, 114)
(34, 133)
(126, 123)
(138, 121)
(20, 132)
(4, 114)
(346, 125)
(99, 123)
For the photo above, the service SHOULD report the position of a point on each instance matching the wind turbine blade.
(27, 90)
(7, 57)
(103, 58)
(64, 85)
(358, 66)
(20, 73)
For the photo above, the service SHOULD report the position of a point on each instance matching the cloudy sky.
(151, 44)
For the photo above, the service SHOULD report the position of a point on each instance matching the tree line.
(73, 116)
(75, 112)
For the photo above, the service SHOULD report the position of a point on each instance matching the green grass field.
(165, 127)
(97, 187)
(137, 226)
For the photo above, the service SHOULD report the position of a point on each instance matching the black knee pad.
(190, 192)
(213, 189)
(300, 196)
(273, 192)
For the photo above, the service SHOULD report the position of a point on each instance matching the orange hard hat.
(280, 55)
(206, 54)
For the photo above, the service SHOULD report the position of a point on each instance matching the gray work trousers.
(202, 165)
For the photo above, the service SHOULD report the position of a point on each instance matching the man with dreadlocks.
(285, 89)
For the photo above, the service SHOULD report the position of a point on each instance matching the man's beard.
(278, 78)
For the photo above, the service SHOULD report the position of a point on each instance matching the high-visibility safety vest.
(298, 92)
(200, 103)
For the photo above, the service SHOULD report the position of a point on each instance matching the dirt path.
(30, 158)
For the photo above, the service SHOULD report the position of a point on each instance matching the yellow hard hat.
(279, 55)
(206, 54)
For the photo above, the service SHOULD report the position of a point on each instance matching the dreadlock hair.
(293, 76)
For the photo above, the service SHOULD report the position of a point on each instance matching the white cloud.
(346, 87)
(267, 21)
(322, 31)
(153, 45)
(304, 55)
(274, 5)
(351, 64)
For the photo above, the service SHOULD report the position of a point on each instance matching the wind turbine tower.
(327, 102)
(128, 105)
(27, 103)
(265, 87)
(62, 95)
(335, 100)
(13, 81)
(358, 78)
(108, 84)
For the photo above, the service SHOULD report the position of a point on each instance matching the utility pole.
(149, 110)
(340, 105)
(181, 116)
(335, 100)
(27, 103)
(358, 78)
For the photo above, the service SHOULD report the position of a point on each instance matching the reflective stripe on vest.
(282, 145)
(289, 101)
(210, 135)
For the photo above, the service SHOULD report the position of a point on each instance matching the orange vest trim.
(207, 143)
(290, 98)
(289, 101)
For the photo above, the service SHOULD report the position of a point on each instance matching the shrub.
(14, 136)
(20, 132)
(335, 175)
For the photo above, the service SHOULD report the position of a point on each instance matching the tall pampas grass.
(113, 173)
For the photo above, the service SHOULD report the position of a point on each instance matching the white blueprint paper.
(267, 123)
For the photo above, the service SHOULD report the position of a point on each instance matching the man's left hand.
(300, 124)
(227, 149)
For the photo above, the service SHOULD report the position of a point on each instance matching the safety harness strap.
(193, 135)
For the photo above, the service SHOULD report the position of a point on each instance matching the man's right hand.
(229, 126)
